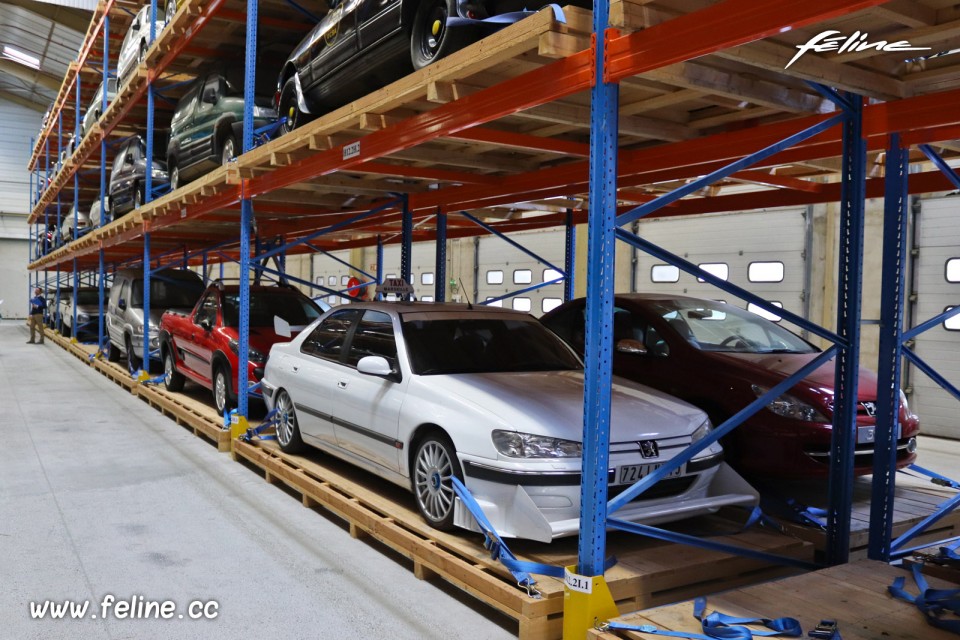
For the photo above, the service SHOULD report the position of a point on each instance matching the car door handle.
(342, 384)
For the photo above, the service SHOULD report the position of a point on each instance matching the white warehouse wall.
(18, 124)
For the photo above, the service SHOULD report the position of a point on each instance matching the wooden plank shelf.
(855, 595)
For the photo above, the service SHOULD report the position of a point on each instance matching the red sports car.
(721, 358)
(203, 346)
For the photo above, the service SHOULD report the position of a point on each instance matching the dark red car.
(203, 345)
(721, 358)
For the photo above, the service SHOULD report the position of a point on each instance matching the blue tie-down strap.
(161, 379)
(265, 134)
(520, 569)
(794, 510)
(949, 552)
(254, 391)
(269, 420)
(720, 626)
(228, 418)
(935, 604)
(935, 477)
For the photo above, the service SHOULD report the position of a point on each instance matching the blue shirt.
(37, 305)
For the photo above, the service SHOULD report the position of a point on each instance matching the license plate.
(866, 434)
(630, 473)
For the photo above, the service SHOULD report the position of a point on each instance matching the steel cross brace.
(940, 164)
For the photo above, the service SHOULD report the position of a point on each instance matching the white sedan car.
(419, 392)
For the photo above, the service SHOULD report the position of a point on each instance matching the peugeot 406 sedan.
(720, 358)
(421, 392)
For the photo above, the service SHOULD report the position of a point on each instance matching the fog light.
(911, 445)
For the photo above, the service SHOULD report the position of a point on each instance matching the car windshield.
(166, 293)
(295, 310)
(88, 297)
(484, 345)
(714, 326)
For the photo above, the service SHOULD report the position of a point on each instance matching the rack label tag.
(351, 150)
(583, 584)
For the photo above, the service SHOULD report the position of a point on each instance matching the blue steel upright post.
(569, 256)
(849, 285)
(379, 263)
(587, 598)
(101, 290)
(895, 210)
(147, 193)
(406, 242)
(246, 221)
(440, 279)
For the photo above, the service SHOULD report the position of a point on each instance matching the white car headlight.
(82, 317)
(701, 431)
(528, 445)
(789, 407)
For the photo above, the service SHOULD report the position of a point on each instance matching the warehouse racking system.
(643, 108)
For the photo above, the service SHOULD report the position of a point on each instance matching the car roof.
(403, 307)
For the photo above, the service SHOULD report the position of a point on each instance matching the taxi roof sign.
(397, 286)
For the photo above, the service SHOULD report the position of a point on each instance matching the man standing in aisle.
(37, 306)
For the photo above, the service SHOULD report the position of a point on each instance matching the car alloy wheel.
(229, 151)
(174, 178)
(137, 198)
(172, 380)
(434, 466)
(430, 39)
(221, 393)
(288, 430)
(288, 106)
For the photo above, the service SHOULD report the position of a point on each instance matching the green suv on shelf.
(207, 127)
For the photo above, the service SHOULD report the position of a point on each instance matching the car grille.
(667, 488)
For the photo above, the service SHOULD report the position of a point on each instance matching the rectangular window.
(373, 337)
(664, 273)
(719, 269)
(952, 270)
(952, 324)
(332, 281)
(552, 274)
(391, 275)
(494, 277)
(765, 272)
(426, 277)
(763, 313)
(344, 280)
(549, 304)
(426, 299)
(522, 276)
(496, 303)
(521, 304)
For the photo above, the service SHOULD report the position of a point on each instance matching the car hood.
(552, 402)
(156, 314)
(778, 366)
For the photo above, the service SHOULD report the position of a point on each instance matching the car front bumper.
(545, 506)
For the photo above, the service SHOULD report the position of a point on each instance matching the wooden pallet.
(201, 418)
(914, 500)
(855, 595)
(647, 572)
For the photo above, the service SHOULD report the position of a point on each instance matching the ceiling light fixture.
(19, 56)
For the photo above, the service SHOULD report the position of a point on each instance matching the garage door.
(14, 286)
(503, 268)
(937, 283)
(761, 251)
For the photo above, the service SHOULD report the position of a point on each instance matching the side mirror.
(122, 304)
(633, 347)
(210, 95)
(206, 324)
(136, 25)
(128, 159)
(375, 366)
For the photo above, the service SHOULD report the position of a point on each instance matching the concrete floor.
(100, 494)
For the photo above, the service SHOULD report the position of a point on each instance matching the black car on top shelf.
(128, 177)
(362, 45)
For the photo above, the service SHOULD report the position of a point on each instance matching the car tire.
(172, 380)
(289, 107)
(288, 429)
(228, 149)
(64, 330)
(434, 464)
(132, 359)
(221, 390)
(430, 39)
(142, 53)
(137, 197)
(174, 176)
(113, 352)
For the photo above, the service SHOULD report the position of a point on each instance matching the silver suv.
(174, 289)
